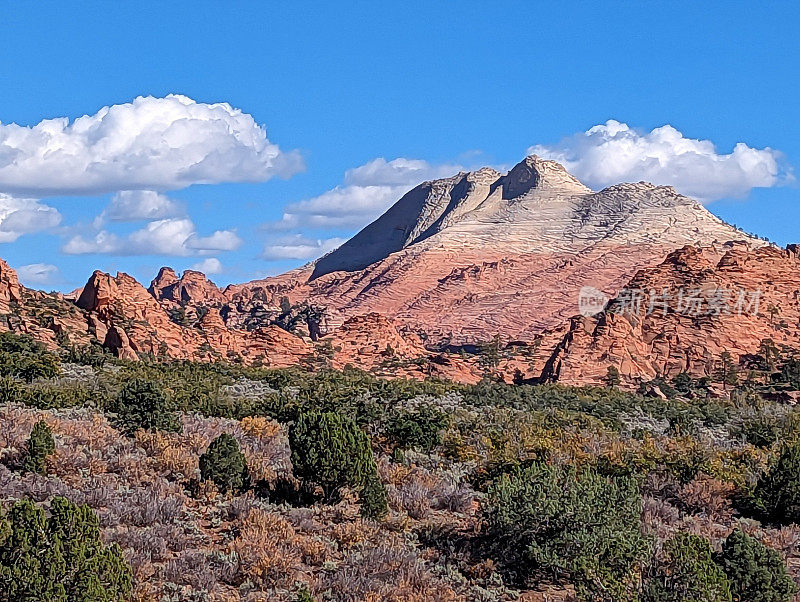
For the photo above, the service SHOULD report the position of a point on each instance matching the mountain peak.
(533, 172)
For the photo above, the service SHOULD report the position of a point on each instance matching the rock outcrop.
(129, 320)
(683, 314)
(191, 288)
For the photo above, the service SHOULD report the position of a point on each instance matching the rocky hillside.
(682, 315)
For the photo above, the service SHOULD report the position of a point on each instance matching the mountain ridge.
(454, 263)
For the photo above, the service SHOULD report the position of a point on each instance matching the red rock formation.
(715, 302)
(375, 343)
(478, 255)
(10, 290)
(191, 288)
(129, 320)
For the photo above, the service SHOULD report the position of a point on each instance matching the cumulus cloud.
(211, 265)
(138, 205)
(20, 216)
(38, 273)
(150, 143)
(161, 237)
(367, 191)
(297, 246)
(614, 152)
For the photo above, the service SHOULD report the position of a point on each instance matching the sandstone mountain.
(481, 261)
(482, 254)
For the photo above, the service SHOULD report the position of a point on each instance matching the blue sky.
(359, 102)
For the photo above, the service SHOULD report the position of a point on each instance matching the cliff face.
(684, 313)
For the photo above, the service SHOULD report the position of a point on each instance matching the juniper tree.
(687, 571)
(756, 572)
(225, 464)
(59, 557)
(142, 404)
(332, 451)
(564, 525)
(40, 445)
(776, 495)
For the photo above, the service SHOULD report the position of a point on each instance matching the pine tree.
(727, 372)
(612, 377)
(40, 445)
(225, 464)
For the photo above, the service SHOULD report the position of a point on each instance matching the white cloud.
(221, 240)
(211, 265)
(297, 246)
(160, 237)
(150, 143)
(136, 205)
(367, 191)
(613, 152)
(24, 216)
(38, 273)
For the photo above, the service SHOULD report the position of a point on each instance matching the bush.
(776, 495)
(25, 358)
(225, 464)
(40, 445)
(561, 525)
(60, 557)
(688, 572)
(756, 573)
(332, 451)
(142, 404)
(420, 428)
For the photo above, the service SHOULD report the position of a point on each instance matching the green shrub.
(419, 428)
(760, 430)
(557, 524)
(332, 451)
(613, 378)
(756, 572)
(225, 464)
(40, 445)
(58, 557)
(142, 404)
(23, 357)
(776, 496)
(688, 572)
(374, 502)
(92, 354)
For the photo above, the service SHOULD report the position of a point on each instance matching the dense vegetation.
(217, 481)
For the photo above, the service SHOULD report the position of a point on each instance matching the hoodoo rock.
(191, 288)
